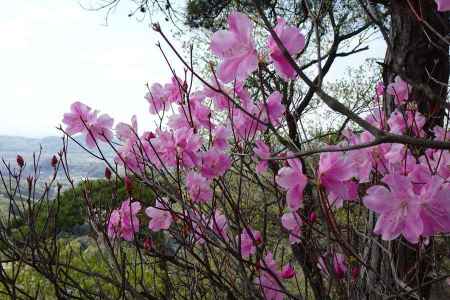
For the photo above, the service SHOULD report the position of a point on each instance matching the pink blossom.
(249, 239)
(292, 40)
(379, 89)
(399, 122)
(435, 206)
(269, 279)
(180, 146)
(220, 137)
(124, 222)
(443, 5)
(440, 133)
(399, 89)
(126, 132)
(113, 229)
(193, 114)
(175, 90)
(362, 160)
(100, 130)
(335, 174)
(236, 49)
(273, 109)
(293, 180)
(157, 97)
(398, 208)
(292, 222)
(160, 216)
(82, 120)
(80, 114)
(221, 99)
(262, 151)
(287, 272)
(376, 118)
(214, 163)
(246, 126)
(198, 188)
(339, 265)
(219, 224)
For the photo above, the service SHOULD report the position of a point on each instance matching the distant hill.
(81, 163)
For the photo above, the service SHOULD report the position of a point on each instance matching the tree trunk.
(420, 56)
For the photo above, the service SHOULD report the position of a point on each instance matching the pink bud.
(20, 161)
(312, 217)
(54, 161)
(287, 272)
(355, 272)
(148, 244)
(128, 184)
(107, 173)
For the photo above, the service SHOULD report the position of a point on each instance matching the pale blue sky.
(53, 52)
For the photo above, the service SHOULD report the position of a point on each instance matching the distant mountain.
(81, 163)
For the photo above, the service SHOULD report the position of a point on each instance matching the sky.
(54, 52)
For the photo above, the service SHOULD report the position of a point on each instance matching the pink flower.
(193, 114)
(175, 90)
(100, 130)
(244, 125)
(362, 160)
(180, 146)
(220, 99)
(339, 265)
(435, 206)
(292, 222)
(287, 272)
(399, 122)
(80, 114)
(126, 132)
(249, 239)
(82, 120)
(292, 40)
(335, 174)
(157, 97)
(379, 89)
(273, 109)
(214, 163)
(443, 5)
(198, 188)
(219, 224)
(220, 137)
(113, 228)
(236, 49)
(399, 89)
(271, 289)
(398, 208)
(160, 216)
(124, 222)
(293, 180)
(262, 151)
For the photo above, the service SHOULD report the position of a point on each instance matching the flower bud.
(287, 272)
(355, 272)
(107, 173)
(54, 161)
(148, 244)
(128, 184)
(312, 217)
(20, 161)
